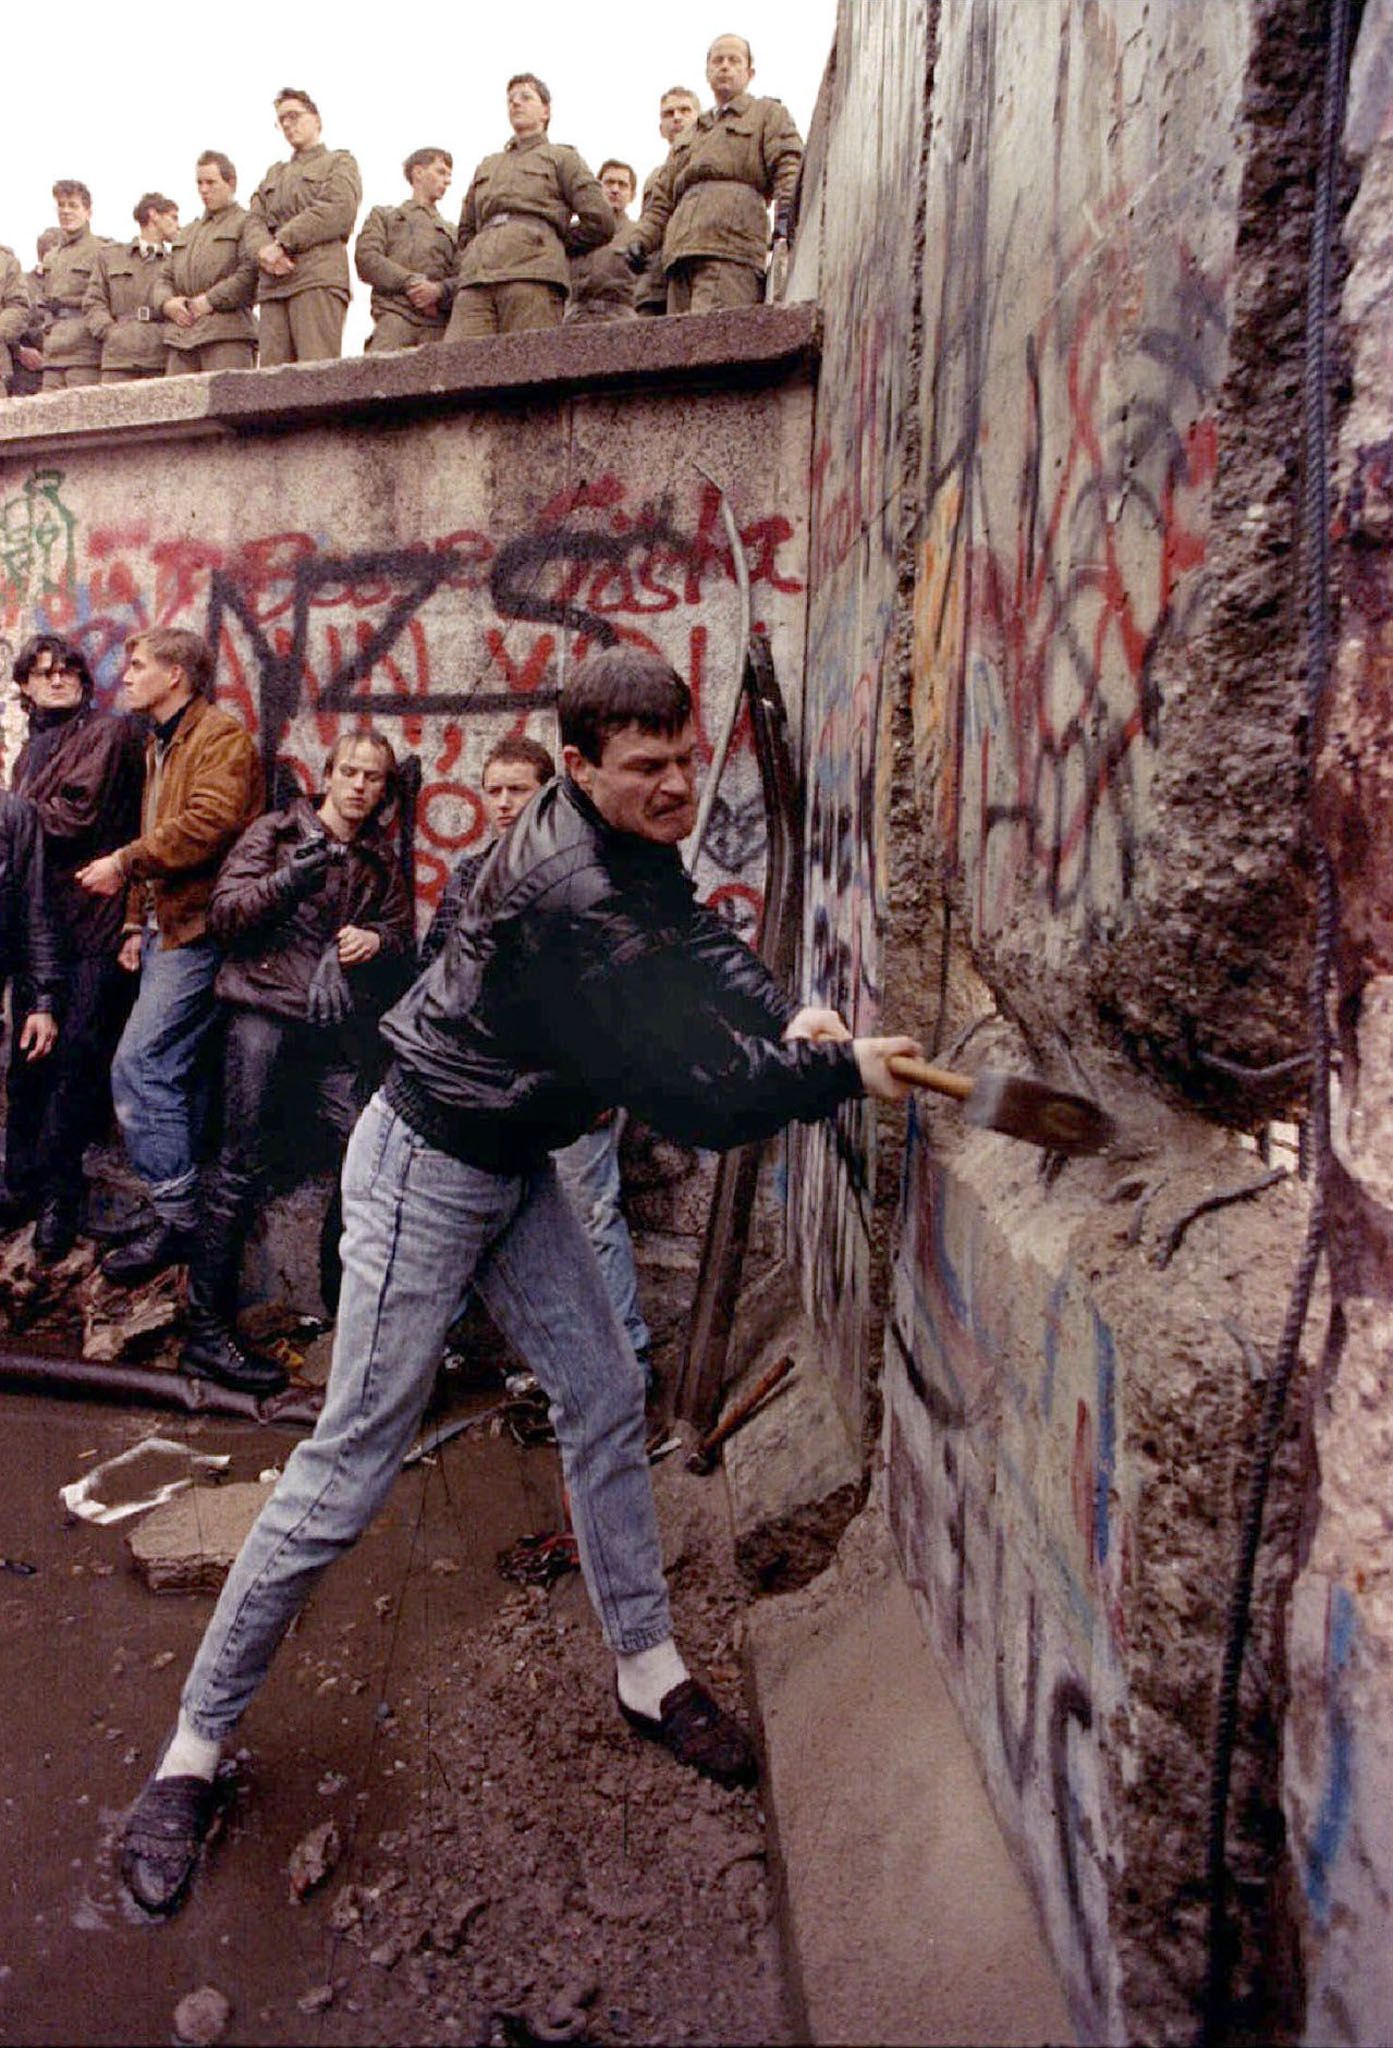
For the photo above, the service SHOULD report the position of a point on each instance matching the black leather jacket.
(28, 940)
(583, 973)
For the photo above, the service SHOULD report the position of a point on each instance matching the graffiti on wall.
(855, 515)
(1063, 550)
(448, 641)
(1005, 1504)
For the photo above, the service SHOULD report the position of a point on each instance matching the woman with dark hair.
(81, 769)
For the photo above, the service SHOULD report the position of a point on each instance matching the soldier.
(677, 113)
(602, 284)
(708, 204)
(407, 254)
(528, 207)
(125, 293)
(72, 353)
(308, 206)
(210, 278)
(26, 377)
(16, 313)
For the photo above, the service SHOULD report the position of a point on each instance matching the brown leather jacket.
(273, 946)
(86, 790)
(210, 790)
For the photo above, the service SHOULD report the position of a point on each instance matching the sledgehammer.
(1016, 1106)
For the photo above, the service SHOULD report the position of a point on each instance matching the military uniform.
(515, 232)
(397, 245)
(602, 284)
(308, 204)
(215, 256)
(121, 309)
(650, 287)
(707, 206)
(72, 353)
(16, 312)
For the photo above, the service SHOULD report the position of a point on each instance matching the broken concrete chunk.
(312, 1860)
(188, 1545)
(201, 2017)
(318, 1998)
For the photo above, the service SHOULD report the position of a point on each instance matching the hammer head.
(1022, 1108)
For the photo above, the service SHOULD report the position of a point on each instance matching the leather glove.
(636, 256)
(305, 869)
(330, 998)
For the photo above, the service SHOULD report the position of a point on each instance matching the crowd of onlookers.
(159, 929)
(540, 239)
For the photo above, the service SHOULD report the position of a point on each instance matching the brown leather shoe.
(700, 1733)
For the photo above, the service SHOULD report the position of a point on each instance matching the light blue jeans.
(419, 1228)
(589, 1172)
(156, 1083)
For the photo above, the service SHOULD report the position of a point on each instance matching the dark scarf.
(46, 729)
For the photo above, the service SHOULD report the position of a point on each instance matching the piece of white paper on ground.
(144, 1477)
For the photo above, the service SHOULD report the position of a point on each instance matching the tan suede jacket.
(216, 255)
(528, 207)
(309, 204)
(398, 243)
(710, 198)
(210, 790)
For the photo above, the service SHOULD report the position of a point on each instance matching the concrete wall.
(1339, 1753)
(1059, 253)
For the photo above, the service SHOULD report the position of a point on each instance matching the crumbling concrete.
(189, 1544)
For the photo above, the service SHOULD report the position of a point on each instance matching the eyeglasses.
(58, 668)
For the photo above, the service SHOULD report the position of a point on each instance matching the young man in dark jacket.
(312, 909)
(82, 770)
(581, 973)
(28, 944)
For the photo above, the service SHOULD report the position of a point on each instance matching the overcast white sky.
(128, 110)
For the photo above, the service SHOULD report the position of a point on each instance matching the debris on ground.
(560, 1880)
(314, 1859)
(129, 1323)
(201, 2017)
(540, 1560)
(189, 1544)
(144, 1477)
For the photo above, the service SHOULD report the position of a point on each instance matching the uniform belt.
(140, 313)
(497, 220)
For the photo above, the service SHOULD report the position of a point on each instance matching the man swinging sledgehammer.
(582, 974)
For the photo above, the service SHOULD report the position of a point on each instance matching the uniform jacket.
(710, 197)
(16, 311)
(273, 947)
(217, 255)
(602, 284)
(210, 790)
(581, 973)
(309, 203)
(28, 942)
(517, 223)
(70, 343)
(86, 791)
(397, 244)
(121, 308)
(650, 288)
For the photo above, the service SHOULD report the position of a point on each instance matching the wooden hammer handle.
(907, 1068)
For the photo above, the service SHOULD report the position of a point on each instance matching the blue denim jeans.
(155, 1076)
(419, 1228)
(589, 1172)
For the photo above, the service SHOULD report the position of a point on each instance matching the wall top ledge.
(762, 345)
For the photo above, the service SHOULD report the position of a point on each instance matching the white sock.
(646, 1677)
(189, 1755)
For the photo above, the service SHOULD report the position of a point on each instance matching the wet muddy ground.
(515, 1865)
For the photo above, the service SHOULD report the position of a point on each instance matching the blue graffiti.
(1337, 1799)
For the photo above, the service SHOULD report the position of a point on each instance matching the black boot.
(55, 1233)
(141, 1257)
(213, 1351)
